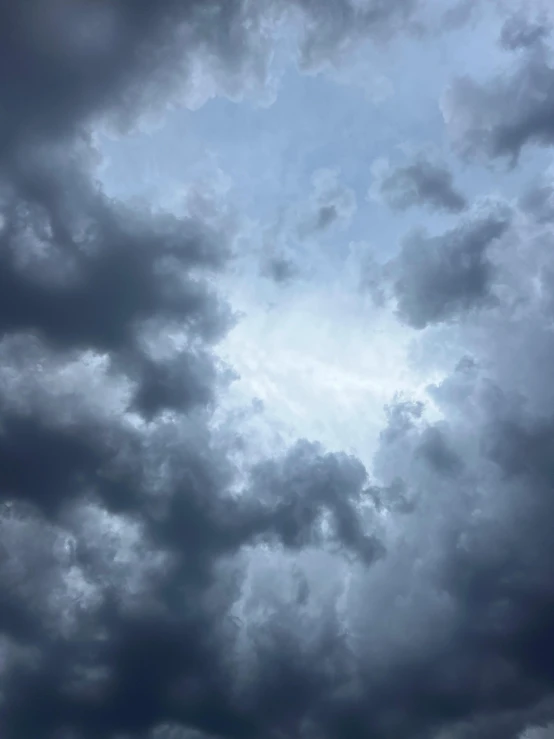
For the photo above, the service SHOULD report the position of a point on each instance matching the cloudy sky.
(276, 361)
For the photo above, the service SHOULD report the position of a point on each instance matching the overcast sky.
(276, 361)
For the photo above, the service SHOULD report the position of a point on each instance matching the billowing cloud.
(156, 581)
(439, 278)
(502, 115)
(80, 57)
(115, 502)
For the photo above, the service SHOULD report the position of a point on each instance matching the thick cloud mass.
(441, 277)
(151, 586)
(500, 117)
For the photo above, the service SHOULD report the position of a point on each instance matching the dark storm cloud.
(489, 663)
(79, 57)
(76, 58)
(422, 183)
(439, 278)
(82, 272)
(113, 523)
(116, 513)
(435, 450)
(122, 610)
(122, 270)
(305, 485)
(483, 117)
(127, 537)
(500, 413)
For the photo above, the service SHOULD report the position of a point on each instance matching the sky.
(276, 359)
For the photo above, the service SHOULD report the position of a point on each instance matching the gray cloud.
(460, 14)
(83, 58)
(144, 592)
(305, 484)
(440, 278)
(79, 474)
(520, 32)
(337, 24)
(330, 204)
(421, 183)
(115, 507)
(539, 202)
(483, 118)
(280, 269)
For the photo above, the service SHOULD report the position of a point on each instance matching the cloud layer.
(156, 581)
